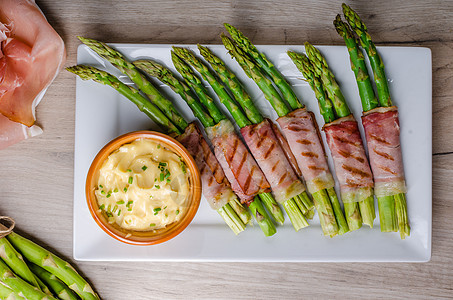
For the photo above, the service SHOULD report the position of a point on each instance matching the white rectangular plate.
(102, 114)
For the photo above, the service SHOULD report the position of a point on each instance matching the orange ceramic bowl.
(153, 236)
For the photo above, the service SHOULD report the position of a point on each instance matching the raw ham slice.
(216, 188)
(351, 164)
(265, 147)
(13, 132)
(285, 147)
(299, 128)
(382, 133)
(31, 55)
(246, 178)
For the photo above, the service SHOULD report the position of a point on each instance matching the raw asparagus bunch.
(325, 199)
(300, 201)
(233, 212)
(392, 208)
(321, 69)
(182, 88)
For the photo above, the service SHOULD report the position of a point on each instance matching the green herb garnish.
(152, 224)
(144, 168)
(103, 192)
(100, 186)
(120, 202)
(157, 210)
(130, 180)
(102, 207)
(129, 170)
(125, 189)
(129, 203)
(119, 212)
(177, 212)
(157, 186)
(115, 190)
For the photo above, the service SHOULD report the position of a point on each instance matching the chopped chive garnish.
(100, 186)
(115, 190)
(177, 212)
(165, 207)
(102, 207)
(129, 209)
(168, 180)
(166, 216)
(129, 170)
(119, 212)
(157, 210)
(162, 164)
(144, 168)
(109, 207)
(183, 167)
(115, 208)
(129, 203)
(157, 186)
(103, 192)
(152, 224)
(109, 214)
(161, 177)
(130, 180)
(108, 195)
(125, 189)
(120, 202)
(158, 146)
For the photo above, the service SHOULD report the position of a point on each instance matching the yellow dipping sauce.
(143, 186)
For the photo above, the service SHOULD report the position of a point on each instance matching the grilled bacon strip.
(351, 164)
(265, 147)
(216, 188)
(246, 178)
(304, 141)
(382, 133)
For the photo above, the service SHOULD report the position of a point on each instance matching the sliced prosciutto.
(216, 188)
(246, 178)
(351, 164)
(13, 132)
(265, 147)
(382, 131)
(299, 129)
(31, 55)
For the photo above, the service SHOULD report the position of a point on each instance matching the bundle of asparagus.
(259, 136)
(381, 125)
(241, 169)
(343, 137)
(217, 192)
(306, 147)
(41, 275)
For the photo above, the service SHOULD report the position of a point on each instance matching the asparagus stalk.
(245, 44)
(18, 285)
(121, 63)
(399, 200)
(53, 264)
(15, 261)
(364, 211)
(9, 294)
(154, 113)
(229, 103)
(377, 65)
(87, 73)
(58, 287)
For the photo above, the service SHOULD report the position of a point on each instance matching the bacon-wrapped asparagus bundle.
(298, 126)
(381, 126)
(246, 179)
(216, 188)
(264, 145)
(343, 138)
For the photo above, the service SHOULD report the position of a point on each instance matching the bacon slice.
(265, 147)
(382, 133)
(351, 164)
(246, 178)
(216, 188)
(285, 147)
(31, 55)
(299, 128)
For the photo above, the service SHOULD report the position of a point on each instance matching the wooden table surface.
(36, 184)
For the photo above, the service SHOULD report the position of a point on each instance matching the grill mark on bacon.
(309, 154)
(282, 178)
(351, 183)
(248, 180)
(346, 155)
(275, 166)
(383, 154)
(342, 140)
(315, 168)
(387, 170)
(263, 138)
(235, 147)
(269, 151)
(296, 128)
(244, 158)
(304, 142)
(356, 171)
(379, 139)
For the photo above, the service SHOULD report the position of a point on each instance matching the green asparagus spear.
(18, 285)
(358, 65)
(87, 73)
(230, 80)
(245, 44)
(58, 287)
(262, 217)
(377, 65)
(218, 88)
(53, 264)
(121, 63)
(304, 65)
(254, 72)
(9, 294)
(166, 76)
